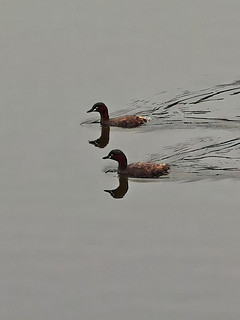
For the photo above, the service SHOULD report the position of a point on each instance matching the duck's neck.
(122, 162)
(104, 115)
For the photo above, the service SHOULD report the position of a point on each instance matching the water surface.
(167, 248)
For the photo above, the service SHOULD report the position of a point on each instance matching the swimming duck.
(124, 121)
(138, 169)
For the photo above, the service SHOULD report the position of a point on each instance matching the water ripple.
(203, 158)
(211, 107)
(215, 152)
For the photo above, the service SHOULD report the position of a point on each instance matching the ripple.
(202, 158)
(215, 152)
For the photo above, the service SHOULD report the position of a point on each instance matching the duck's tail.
(145, 119)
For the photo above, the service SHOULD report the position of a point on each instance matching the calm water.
(149, 249)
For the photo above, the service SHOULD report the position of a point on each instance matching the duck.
(138, 169)
(124, 121)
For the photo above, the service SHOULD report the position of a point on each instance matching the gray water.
(161, 249)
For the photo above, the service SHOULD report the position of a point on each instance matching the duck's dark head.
(101, 108)
(118, 156)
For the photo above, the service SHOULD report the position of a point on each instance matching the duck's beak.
(93, 109)
(106, 157)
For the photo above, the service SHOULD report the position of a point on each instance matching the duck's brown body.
(138, 169)
(124, 121)
(145, 170)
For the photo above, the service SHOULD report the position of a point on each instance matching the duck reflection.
(103, 140)
(122, 189)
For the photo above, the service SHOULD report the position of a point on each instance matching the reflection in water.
(103, 140)
(122, 189)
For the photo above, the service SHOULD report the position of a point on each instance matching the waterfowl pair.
(138, 169)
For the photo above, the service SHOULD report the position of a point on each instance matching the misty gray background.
(68, 250)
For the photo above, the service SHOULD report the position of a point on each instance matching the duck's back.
(146, 170)
(126, 121)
